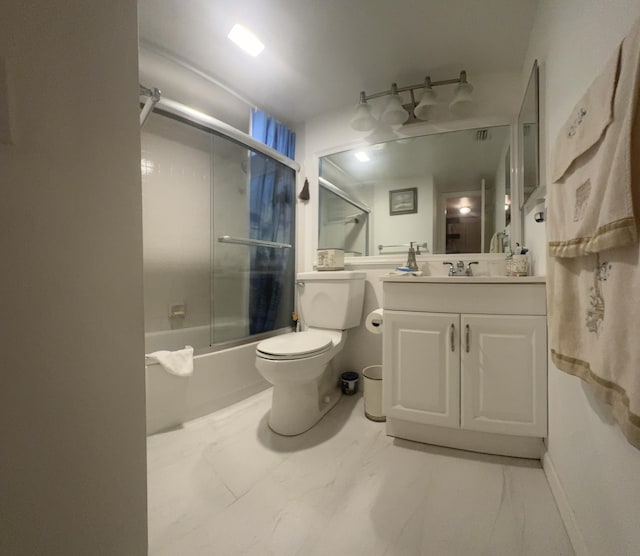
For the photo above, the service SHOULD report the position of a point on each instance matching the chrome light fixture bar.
(395, 112)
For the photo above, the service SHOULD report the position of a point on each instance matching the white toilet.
(298, 364)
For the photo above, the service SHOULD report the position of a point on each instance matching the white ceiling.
(320, 53)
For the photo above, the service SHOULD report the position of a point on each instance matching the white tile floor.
(226, 485)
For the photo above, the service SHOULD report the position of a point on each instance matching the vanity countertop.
(465, 279)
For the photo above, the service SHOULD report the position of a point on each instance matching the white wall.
(188, 85)
(402, 228)
(176, 208)
(598, 470)
(72, 409)
(192, 181)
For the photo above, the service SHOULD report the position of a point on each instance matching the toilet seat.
(294, 345)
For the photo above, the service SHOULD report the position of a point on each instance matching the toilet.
(299, 364)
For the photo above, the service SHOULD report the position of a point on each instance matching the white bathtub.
(219, 379)
(195, 336)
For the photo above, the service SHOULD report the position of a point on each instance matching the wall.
(72, 471)
(184, 83)
(192, 181)
(596, 468)
(176, 209)
(390, 230)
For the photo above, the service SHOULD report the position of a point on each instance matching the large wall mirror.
(528, 135)
(448, 192)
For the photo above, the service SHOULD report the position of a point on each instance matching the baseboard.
(566, 512)
(473, 441)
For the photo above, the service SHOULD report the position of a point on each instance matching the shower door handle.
(253, 242)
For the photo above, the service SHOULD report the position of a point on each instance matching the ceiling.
(320, 53)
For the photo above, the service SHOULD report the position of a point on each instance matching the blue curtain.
(271, 200)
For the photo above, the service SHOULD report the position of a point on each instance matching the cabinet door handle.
(452, 339)
(468, 334)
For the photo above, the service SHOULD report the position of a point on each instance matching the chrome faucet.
(458, 269)
(469, 271)
(452, 269)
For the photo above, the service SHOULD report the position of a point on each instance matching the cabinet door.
(503, 374)
(421, 367)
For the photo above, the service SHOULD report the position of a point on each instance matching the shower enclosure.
(218, 229)
(343, 222)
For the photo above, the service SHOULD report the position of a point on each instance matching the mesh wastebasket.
(373, 393)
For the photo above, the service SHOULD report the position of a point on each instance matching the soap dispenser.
(411, 258)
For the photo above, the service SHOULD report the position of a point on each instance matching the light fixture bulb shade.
(394, 113)
(363, 120)
(423, 110)
(465, 210)
(462, 95)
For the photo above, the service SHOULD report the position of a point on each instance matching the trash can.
(349, 383)
(373, 393)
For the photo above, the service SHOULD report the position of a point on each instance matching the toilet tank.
(331, 299)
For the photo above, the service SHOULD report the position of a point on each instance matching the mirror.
(448, 192)
(528, 134)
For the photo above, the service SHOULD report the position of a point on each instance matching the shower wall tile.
(176, 183)
(195, 189)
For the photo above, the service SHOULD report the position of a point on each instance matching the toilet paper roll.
(373, 322)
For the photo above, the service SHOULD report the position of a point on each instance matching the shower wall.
(179, 165)
(205, 264)
(176, 197)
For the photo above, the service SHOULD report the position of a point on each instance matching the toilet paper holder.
(374, 321)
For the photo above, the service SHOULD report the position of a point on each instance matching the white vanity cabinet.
(465, 364)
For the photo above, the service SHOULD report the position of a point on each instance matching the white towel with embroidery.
(593, 264)
(590, 203)
(179, 363)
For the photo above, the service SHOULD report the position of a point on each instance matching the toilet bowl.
(302, 388)
(299, 365)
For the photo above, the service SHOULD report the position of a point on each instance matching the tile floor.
(226, 485)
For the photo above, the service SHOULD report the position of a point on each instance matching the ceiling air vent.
(482, 135)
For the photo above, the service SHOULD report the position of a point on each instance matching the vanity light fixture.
(246, 40)
(396, 112)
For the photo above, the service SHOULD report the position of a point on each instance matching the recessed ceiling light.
(464, 210)
(362, 156)
(246, 40)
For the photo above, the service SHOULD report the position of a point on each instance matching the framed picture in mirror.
(403, 201)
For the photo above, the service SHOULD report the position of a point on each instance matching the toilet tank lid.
(332, 275)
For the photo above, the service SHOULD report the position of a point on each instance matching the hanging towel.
(590, 204)
(593, 323)
(593, 270)
(179, 363)
(496, 245)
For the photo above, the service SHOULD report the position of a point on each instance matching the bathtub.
(219, 379)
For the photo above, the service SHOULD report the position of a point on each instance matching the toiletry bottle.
(411, 258)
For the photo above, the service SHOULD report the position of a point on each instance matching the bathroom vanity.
(465, 362)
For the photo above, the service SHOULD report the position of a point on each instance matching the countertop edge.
(465, 279)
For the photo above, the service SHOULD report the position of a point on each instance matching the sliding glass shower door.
(253, 231)
(219, 221)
